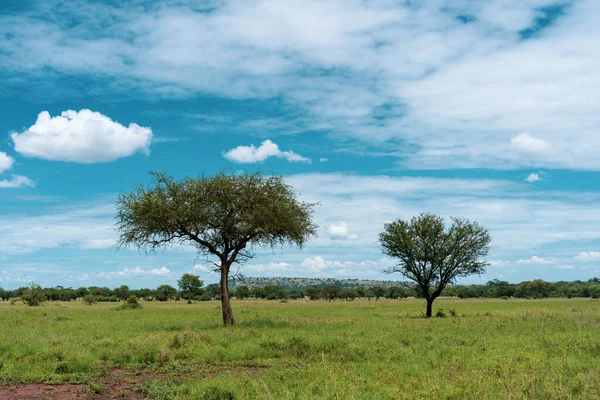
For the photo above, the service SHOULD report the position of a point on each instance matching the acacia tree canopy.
(433, 255)
(224, 215)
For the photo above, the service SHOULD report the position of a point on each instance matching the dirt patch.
(117, 384)
(34, 391)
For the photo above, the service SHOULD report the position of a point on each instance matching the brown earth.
(117, 384)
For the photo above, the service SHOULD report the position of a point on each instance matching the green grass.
(493, 349)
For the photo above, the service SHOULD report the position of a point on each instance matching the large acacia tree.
(432, 255)
(225, 216)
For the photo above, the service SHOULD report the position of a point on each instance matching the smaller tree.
(190, 286)
(165, 293)
(3, 294)
(313, 293)
(213, 290)
(331, 292)
(122, 292)
(378, 292)
(432, 255)
(89, 299)
(34, 295)
(242, 292)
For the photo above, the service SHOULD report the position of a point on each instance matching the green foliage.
(242, 292)
(432, 255)
(34, 295)
(225, 215)
(132, 303)
(162, 390)
(331, 292)
(165, 292)
(95, 388)
(217, 393)
(89, 299)
(190, 286)
(218, 214)
(122, 292)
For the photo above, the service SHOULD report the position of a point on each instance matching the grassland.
(493, 349)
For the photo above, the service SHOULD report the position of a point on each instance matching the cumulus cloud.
(340, 231)
(587, 257)
(16, 181)
(533, 178)
(251, 154)
(162, 271)
(529, 146)
(81, 136)
(538, 260)
(323, 159)
(6, 162)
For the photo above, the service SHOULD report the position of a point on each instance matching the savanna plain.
(298, 349)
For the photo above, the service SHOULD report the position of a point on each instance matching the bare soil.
(117, 384)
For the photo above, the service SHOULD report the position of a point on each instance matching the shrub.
(34, 296)
(131, 304)
(440, 313)
(453, 312)
(89, 299)
(95, 388)
(216, 393)
(162, 390)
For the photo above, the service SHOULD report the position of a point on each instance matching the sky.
(379, 110)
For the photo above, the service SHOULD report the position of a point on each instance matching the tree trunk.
(225, 303)
(429, 306)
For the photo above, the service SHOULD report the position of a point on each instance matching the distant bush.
(33, 296)
(440, 313)
(131, 304)
(89, 299)
(204, 297)
(453, 312)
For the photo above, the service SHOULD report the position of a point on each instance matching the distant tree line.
(191, 289)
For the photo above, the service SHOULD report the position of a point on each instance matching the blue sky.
(379, 110)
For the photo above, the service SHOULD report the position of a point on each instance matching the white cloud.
(533, 178)
(83, 137)
(83, 226)
(162, 271)
(6, 162)
(538, 260)
(323, 159)
(404, 79)
(340, 231)
(17, 181)
(529, 146)
(565, 267)
(202, 269)
(587, 257)
(126, 273)
(251, 154)
(320, 266)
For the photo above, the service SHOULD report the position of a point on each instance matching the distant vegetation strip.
(192, 289)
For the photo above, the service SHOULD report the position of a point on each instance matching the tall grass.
(490, 349)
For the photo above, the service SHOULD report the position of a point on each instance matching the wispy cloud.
(403, 77)
(16, 181)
